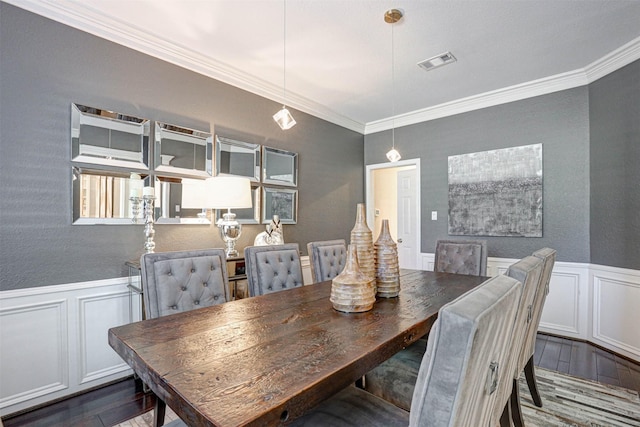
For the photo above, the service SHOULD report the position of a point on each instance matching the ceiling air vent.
(437, 61)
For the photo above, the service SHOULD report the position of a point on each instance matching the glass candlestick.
(149, 232)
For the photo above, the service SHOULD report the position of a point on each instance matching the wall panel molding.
(39, 365)
(54, 340)
(589, 302)
(60, 332)
(616, 298)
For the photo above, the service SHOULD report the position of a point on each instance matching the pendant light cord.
(284, 53)
(393, 92)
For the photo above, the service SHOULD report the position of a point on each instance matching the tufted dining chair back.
(459, 374)
(327, 259)
(524, 361)
(173, 282)
(272, 268)
(528, 270)
(461, 257)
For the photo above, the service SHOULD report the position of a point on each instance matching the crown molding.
(611, 62)
(86, 19)
(615, 60)
(488, 99)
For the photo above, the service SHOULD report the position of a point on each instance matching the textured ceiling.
(338, 53)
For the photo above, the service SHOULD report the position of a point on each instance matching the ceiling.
(339, 53)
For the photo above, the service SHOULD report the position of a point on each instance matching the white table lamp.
(228, 192)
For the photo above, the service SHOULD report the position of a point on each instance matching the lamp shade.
(227, 192)
(193, 193)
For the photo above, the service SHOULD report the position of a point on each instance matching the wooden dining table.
(267, 360)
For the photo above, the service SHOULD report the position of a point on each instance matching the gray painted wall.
(46, 66)
(560, 121)
(614, 104)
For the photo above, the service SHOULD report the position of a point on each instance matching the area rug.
(567, 402)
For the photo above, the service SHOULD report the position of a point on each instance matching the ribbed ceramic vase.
(362, 239)
(386, 258)
(352, 291)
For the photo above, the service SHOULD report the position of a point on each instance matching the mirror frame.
(76, 199)
(255, 166)
(274, 153)
(112, 121)
(288, 215)
(188, 136)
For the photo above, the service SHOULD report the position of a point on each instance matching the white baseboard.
(586, 301)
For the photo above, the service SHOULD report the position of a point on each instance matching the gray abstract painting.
(496, 193)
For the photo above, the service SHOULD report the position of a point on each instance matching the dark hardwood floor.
(113, 404)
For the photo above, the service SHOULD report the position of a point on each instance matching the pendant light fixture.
(392, 16)
(283, 118)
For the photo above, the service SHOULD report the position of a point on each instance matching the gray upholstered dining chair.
(327, 259)
(459, 374)
(394, 379)
(461, 257)
(173, 282)
(528, 270)
(524, 360)
(272, 268)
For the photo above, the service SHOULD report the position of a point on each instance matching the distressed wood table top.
(266, 360)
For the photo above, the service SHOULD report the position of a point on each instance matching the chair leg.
(505, 418)
(530, 375)
(158, 413)
(516, 410)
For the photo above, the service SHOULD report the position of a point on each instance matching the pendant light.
(392, 16)
(283, 118)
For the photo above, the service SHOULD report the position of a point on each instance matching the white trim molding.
(615, 302)
(588, 302)
(83, 17)
(54, 340)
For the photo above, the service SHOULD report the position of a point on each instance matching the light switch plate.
(434, 215)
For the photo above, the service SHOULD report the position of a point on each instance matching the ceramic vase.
(362, 239)
(386, 259)
(352, 291)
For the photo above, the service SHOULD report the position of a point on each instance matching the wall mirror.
(180, 201)
(105, 137)
(237, 158)
(182, 151)
(104, 197)
(279, 167)
(248, 215)
(282, 202)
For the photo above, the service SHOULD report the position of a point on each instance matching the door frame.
(369, 192)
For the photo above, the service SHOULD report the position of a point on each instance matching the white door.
(407, 233)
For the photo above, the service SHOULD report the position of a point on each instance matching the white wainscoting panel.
(594, 303)
(98, 313)
(566, 309)
(54, 340)
(616, 309)
(34, 355)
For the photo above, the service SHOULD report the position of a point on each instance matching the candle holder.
(135, 208)
(149, 232)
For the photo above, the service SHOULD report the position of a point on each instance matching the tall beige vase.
(362, 239)
(387, 267)
(352, 291)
